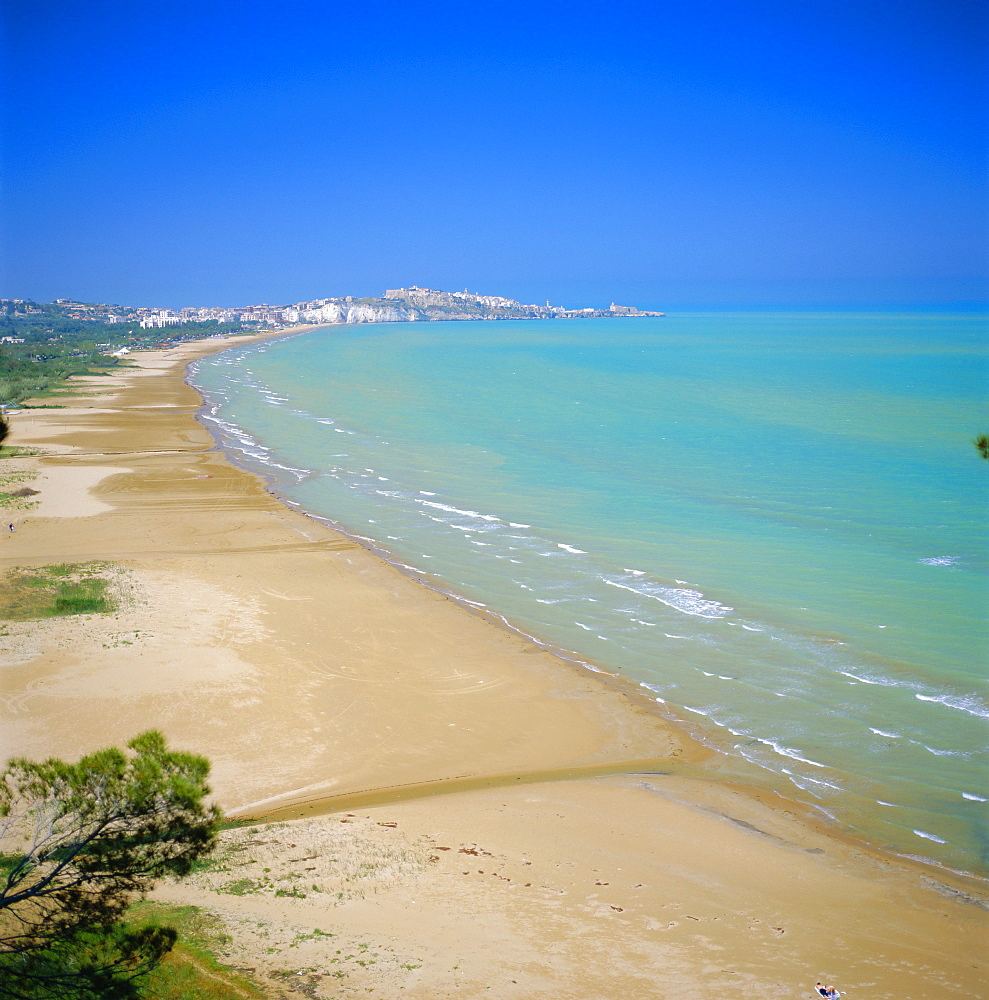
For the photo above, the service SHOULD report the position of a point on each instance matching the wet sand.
(591, 850)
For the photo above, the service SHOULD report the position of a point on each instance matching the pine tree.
(82, 842)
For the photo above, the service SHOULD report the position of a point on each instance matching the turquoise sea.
(775, 523)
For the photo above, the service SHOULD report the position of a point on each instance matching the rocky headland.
(403, 305)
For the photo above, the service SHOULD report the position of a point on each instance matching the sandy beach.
(453, 811)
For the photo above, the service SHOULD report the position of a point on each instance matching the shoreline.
(719, 753)
(96, 484)
(218, 659)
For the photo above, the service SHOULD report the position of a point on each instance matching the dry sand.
(459, 813)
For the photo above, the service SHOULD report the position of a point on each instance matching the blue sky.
(657, 153)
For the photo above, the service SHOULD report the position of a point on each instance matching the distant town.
(397, 305)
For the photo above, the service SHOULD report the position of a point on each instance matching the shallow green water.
(776, 523)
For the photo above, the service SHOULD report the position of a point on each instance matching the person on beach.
(827, 991)
(11, 527)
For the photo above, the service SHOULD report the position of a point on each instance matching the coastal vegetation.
(44, 344)
(14, 496)
(190, 971)
(56, 590)
(81, 843)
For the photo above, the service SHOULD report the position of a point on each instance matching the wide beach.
(588, 844)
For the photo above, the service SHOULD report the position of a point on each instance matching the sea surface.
(775, 523)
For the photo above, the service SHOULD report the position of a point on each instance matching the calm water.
(775, 523)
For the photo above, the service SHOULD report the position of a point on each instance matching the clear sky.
(167, 152)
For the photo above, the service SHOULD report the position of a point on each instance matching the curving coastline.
(319, 678)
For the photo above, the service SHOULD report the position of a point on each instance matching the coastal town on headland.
(397, 305)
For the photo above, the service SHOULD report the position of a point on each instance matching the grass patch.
(244, 886)
(192, 970)
(13, 494)
(53, 591)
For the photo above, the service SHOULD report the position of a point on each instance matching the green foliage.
(14, 494)
(190, 971)
(62, 340)
(93, 836)
(102, 965)
(50, 591)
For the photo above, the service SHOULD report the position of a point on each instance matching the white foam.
(930, 836)
(939, 561)
(788, 752)
(690, 602)
(970, 705)
(973, 798)
(586, 628)
(821, 783)
(868, 680)
(889, 736)
(653, 690)
(808, 784)
(456, 510)
(751, 628)
(570, 548)
(944, 753)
